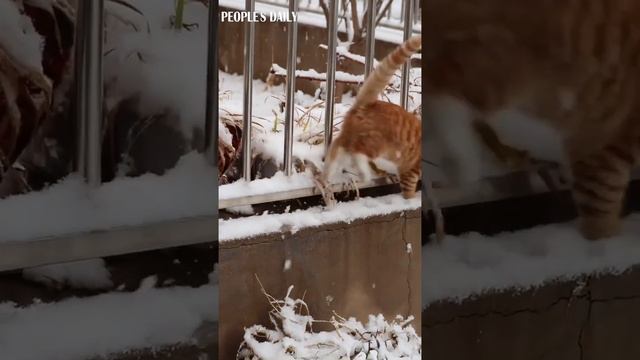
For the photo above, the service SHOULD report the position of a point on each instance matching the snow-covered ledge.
(69, 221)
(486, 296)
(356, 259)
(472, 264)
(346, 212)
(116, 241)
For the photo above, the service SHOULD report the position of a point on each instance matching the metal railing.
(249, 43)
(88, 89)
(89, 112)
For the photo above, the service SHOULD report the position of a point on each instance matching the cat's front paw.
(323, 186)
(600, 228)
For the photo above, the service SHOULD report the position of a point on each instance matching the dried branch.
(357, 29)
(382, 10)
(325, 10)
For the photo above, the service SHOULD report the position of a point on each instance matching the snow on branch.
(293, 336)
(344, 53)
(341, 76)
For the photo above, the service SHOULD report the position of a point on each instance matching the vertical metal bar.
(249, 47)
(212, 78)
(331, 72)
(292, 57)
(292, 52)
(79, 94)
(371, 37)
(408, 29)
(88, 89)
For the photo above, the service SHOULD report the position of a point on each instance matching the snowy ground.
(81, 328)
(85, 274)
(167, 67)
(472, 264)
(70, 206)
(292, 338)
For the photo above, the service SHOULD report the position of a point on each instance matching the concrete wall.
(593, 318)
(363, 266)
(588, 319)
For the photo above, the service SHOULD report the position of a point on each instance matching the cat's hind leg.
(599, 187)
(408, 181)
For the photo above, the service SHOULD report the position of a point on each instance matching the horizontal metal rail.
(297, 193)
(486, 191)
(483, 191)
(490, 189)
(97, 244)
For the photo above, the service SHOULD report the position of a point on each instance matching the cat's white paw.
(362, 167)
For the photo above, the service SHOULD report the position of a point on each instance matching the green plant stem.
(179, 14)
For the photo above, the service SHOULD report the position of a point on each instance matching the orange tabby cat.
(572, 65)
(374, 129)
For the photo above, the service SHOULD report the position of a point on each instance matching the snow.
(188, 190)
(266, 110)
(173, 72)
(82, 328)
(242, 210)
(348, 212)
(293, 337)
(279, 182)
(344, 52)
(313, 74)
(87, 274)
(472, 264)
(19, 38)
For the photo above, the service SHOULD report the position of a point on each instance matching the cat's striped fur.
(375, 129)
(573, 64)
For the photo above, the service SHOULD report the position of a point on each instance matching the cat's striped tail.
(381, 76)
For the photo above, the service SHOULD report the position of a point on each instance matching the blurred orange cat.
(570, 64)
